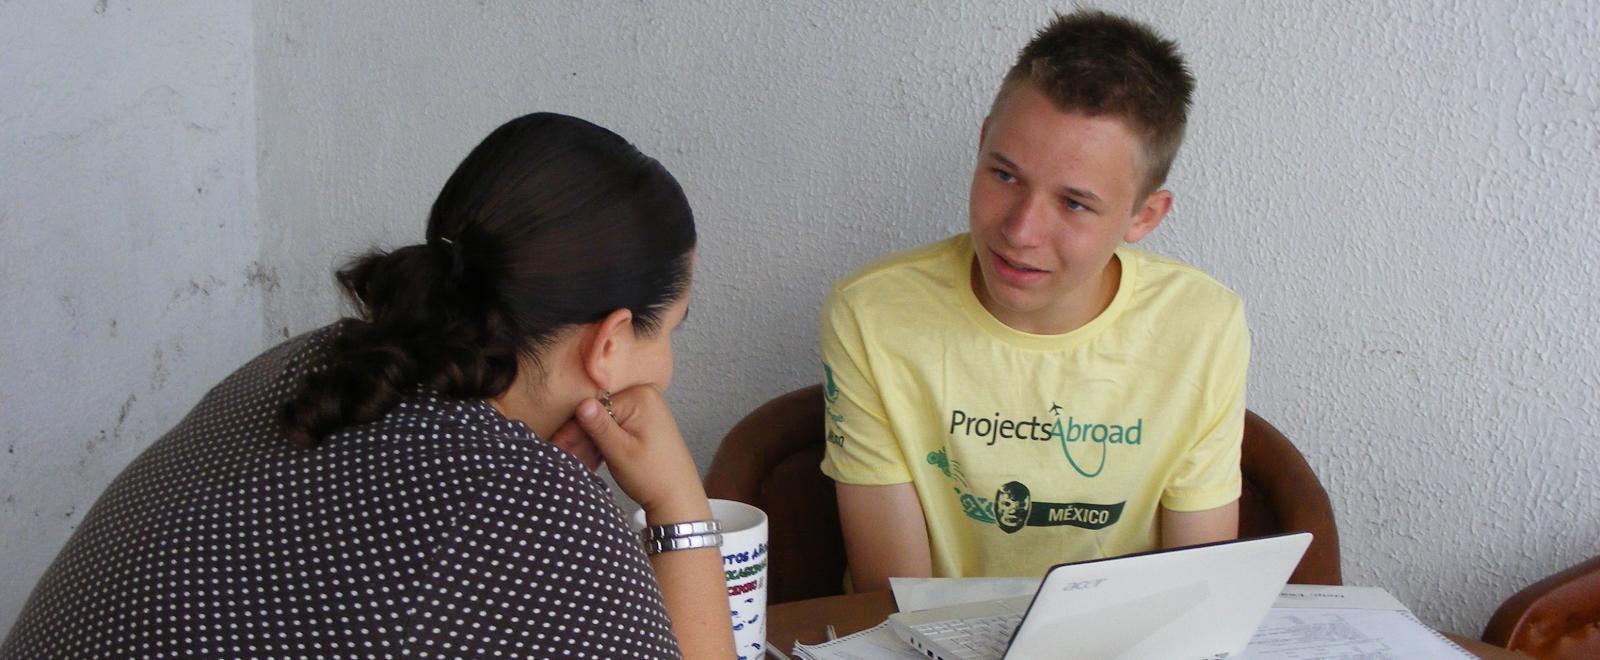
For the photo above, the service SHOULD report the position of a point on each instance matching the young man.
(1034, 391)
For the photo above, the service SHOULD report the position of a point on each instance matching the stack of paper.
(1345, 622)
(911, 595)
(1306, 622)
(876, 643)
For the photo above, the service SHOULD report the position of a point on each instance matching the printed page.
(877, 643)
(1304, 633)
(1316, 595)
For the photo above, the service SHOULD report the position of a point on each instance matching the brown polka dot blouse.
(442, 529)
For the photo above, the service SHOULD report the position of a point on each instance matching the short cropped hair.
(1098, 64)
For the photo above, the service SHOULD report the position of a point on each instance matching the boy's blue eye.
(1073, 204)
(1003, 176)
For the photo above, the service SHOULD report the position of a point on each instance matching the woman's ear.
(605, 347)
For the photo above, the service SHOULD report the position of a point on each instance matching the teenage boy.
(1035, 391)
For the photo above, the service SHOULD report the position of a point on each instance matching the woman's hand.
(651, 464)
(646, 453)
(571, 438)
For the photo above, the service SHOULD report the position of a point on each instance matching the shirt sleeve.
(1208, 475)
(861, 448)
(539, 564)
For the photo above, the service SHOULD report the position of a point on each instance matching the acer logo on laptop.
(1080, 586)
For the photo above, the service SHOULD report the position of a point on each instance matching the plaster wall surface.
(1402, 192)
(129, 282)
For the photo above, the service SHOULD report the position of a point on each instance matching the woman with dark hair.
(384, 486)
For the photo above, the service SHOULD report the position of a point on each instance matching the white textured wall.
(1405, 195)
(129, 281)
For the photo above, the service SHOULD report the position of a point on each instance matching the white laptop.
(1188, 603)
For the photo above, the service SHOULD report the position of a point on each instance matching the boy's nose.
(1027, 222)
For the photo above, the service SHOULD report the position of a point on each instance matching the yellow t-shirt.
(1031, 450)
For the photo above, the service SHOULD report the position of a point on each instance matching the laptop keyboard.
(981, 638)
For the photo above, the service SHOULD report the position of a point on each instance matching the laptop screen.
(1200, 601)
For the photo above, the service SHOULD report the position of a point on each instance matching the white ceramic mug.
(744, 566)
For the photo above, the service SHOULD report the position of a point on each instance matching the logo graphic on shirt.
(975, 507)
(832, 434)
(940, 459)
(1085, 444)
(1014, 509)
(830, 391)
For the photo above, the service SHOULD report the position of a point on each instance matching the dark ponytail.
(550, 222)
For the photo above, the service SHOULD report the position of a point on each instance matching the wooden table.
(806, 621)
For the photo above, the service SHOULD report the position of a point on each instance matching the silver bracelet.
(657, 532)
(690, 542)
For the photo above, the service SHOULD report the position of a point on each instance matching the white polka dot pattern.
(442, 530)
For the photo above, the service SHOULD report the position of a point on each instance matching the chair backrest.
(1557, 618)
(771, 459)
(1282, 494)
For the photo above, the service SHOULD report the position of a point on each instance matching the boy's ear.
(1149, 215)
(604, 347)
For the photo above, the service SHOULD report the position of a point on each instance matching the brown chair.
(1282, 494)
(1557, 618)
(770, 459)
